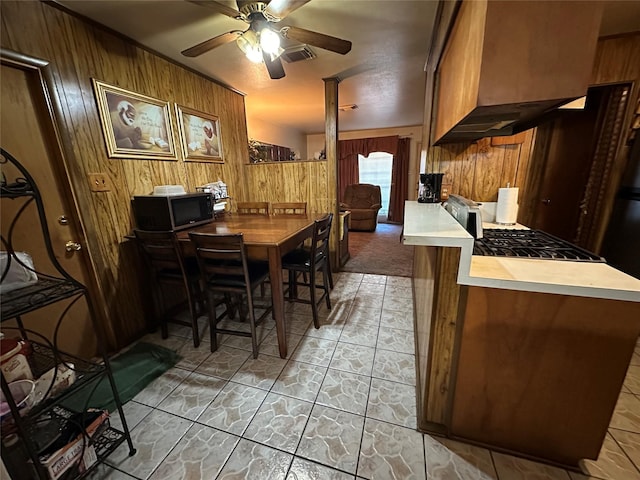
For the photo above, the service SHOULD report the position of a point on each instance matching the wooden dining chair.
(253, 208)
(289, 208)
(310, 260)
(168, 267)
(226, 271)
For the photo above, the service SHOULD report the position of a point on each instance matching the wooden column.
(331, 149)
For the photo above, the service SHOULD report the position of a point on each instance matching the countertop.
(431, 225)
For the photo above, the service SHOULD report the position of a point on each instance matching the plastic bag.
(19, 275)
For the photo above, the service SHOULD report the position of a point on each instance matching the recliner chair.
(363, 200)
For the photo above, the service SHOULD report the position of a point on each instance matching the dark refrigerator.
(621, 246)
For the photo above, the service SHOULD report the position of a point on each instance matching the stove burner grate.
(530, 244)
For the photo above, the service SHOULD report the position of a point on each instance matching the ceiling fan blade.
(316, 39)
(211, 43)
(278, 9)
(219, 7)
(275, 68)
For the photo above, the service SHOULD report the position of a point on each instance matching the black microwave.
(172, 212)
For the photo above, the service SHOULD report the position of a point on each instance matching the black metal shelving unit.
(39, 426)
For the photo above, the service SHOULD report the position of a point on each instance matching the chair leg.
(312, 293)
(293, 285)
(212, 322)
(160, 311)
(326, 274)
(192, 294)
(329, 273)
(252, 325)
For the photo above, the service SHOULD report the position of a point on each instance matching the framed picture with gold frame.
(134, 125)
(199, 135)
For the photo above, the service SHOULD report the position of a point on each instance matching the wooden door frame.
(39, 71)
(537, 165)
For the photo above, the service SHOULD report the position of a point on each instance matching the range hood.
(507, 65)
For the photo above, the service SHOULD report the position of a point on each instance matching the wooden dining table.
(266, 237)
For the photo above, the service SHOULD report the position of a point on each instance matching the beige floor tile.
(344, 391)
(300, 380)
(260, 372)
(626, 415)
(193, 458)
(317, 351)
(192, 396)
(612, 463)
(153, 438)
(302, 469)
(279, 422)
(394, 366)
(332, 437)
(252, 460)
(513, 468)
(451, 460)
(353, 358)
(224, 362)
(392, 402)
(375, 289)
(234, 408)
(632, 380)
(391, 452)
(630, 444)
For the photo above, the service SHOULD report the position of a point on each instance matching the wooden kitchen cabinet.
(507, 63)
(540, 374)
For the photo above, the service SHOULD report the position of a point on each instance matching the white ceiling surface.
(383, 74)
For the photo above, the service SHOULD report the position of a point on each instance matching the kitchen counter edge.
(429, 224)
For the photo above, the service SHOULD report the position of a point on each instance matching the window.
(376, 169)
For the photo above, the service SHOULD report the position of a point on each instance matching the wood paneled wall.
(477, 170)
(78, 52)
(304, 181)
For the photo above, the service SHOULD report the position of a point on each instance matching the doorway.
(28, 133)
(576, 150)
(376, 169)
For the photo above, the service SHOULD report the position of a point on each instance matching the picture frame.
(134, 125)
(199, 135)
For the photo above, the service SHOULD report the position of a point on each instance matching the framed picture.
(134, 125)
(199, 135)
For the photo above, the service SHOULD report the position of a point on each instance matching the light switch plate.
(99, 182)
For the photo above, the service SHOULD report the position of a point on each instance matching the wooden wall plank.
(476, 171)
(79, 52)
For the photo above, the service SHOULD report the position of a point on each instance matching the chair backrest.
(162, 250)
(289, 208)
(221, 255)
(362, 195)
(253, 208)
(320, 239)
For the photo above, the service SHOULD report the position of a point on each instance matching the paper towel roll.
(507, 207)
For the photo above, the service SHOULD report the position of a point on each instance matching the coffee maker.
(430, 185)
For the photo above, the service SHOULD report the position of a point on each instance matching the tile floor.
(341, 406)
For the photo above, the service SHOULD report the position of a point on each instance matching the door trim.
(40, 72)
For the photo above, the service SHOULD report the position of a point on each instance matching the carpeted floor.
(380, 252)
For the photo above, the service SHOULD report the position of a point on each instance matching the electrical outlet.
(99, 182)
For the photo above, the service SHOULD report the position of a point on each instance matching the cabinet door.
(27, 135)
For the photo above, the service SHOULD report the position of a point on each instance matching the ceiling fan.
(261, 41)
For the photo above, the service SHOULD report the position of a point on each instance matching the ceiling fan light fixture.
(270, 41)
(248, 43)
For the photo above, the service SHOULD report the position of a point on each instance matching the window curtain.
(399, 181)
(348, 151)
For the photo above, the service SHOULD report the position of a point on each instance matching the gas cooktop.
(530, 244)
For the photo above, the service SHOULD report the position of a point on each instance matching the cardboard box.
(69, 455)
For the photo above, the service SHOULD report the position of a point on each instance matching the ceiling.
(383, 73)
